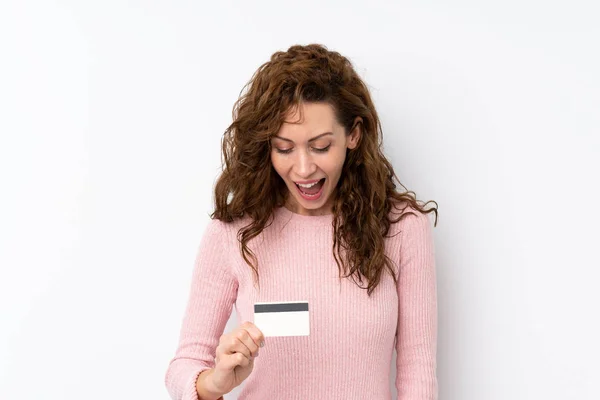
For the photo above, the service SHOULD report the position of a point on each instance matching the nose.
(304, 165)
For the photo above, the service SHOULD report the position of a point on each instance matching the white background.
(111, 115)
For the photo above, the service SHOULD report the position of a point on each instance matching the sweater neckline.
(308, 220)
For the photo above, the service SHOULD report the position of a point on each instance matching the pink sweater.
(352, 337)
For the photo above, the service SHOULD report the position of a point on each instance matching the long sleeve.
(212, 294)
(416, 336)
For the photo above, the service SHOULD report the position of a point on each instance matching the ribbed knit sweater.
(352, 337)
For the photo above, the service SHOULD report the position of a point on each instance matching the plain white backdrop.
(111, 116)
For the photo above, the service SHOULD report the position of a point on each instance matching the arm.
(416, 336)
(212, 294)
(204, 389)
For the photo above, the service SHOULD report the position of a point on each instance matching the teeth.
(307, 186)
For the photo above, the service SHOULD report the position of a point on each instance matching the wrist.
(205, 387)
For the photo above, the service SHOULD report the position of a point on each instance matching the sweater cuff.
(190, 392)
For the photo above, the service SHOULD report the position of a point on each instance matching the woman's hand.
(235, 354)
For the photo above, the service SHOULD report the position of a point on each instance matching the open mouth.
(311, 191)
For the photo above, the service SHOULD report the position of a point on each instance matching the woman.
(305, 188)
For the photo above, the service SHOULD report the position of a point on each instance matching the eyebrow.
(310, 140)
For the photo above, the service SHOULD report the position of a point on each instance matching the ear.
(353, 139)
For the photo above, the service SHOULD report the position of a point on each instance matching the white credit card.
(282, 319)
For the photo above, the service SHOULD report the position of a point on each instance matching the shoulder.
(218, 230)
(215, 227)
(225, 230)
(408, 219)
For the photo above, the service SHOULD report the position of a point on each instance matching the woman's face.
(311, 154)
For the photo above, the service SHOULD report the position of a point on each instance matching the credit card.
(282, 319)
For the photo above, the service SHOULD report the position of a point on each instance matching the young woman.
(306, 209)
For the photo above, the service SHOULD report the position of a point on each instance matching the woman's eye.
(287, 151)
(323, 150)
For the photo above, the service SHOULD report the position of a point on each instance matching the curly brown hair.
(366, 192)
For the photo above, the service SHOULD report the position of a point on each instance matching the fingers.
(232, 352)
(229, 362)
(250, 336)
(245, 341)
(255, 333)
